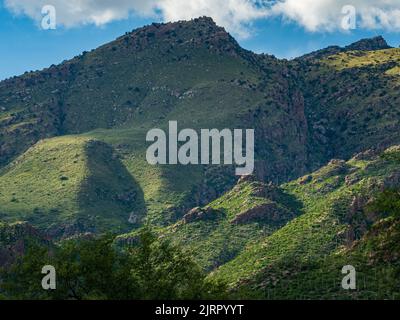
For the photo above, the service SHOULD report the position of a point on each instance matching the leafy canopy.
(95, 269)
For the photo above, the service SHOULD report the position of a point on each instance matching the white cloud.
(235, 15)
(326, 15)
(77, 12)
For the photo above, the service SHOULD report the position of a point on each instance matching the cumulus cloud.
(326, 15)
(236, 16)
(78, 12)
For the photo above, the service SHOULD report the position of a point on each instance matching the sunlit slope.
(334, 217)
(68, 183)
(218, 232)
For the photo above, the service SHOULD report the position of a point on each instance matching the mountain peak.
(198, 32)
(205, 24)
(204, 19)
(369, 44)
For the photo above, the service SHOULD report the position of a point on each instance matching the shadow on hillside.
(110, 200)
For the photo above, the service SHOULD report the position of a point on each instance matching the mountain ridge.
(182, 71)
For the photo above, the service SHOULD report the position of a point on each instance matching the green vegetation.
(227, 225)
(70, 180)
(93, 269)
(307, 254)
(357, 59)
(194, 73)
(72, 165)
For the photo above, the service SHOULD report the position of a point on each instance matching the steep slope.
(220, 231)
(351, 98)
(69, 185)
(302, 259)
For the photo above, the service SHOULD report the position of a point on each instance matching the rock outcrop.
(270, 213)
(201, 214)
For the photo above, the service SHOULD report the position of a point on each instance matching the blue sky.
(25, 46)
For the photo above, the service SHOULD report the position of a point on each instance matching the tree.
(96, 269)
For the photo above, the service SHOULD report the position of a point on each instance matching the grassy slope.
(325, 227)
(375, 258)
(64, 180)
(216, 239)
(35, 179)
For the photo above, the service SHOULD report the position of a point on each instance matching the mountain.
(305, 112)
(73, 155)
(178, 71)
(377, 43)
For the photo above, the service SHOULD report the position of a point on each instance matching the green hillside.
(351, 100)
(62, 183)
(220, 231)
(335, 225)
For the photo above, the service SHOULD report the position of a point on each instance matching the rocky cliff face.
(15, 240)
